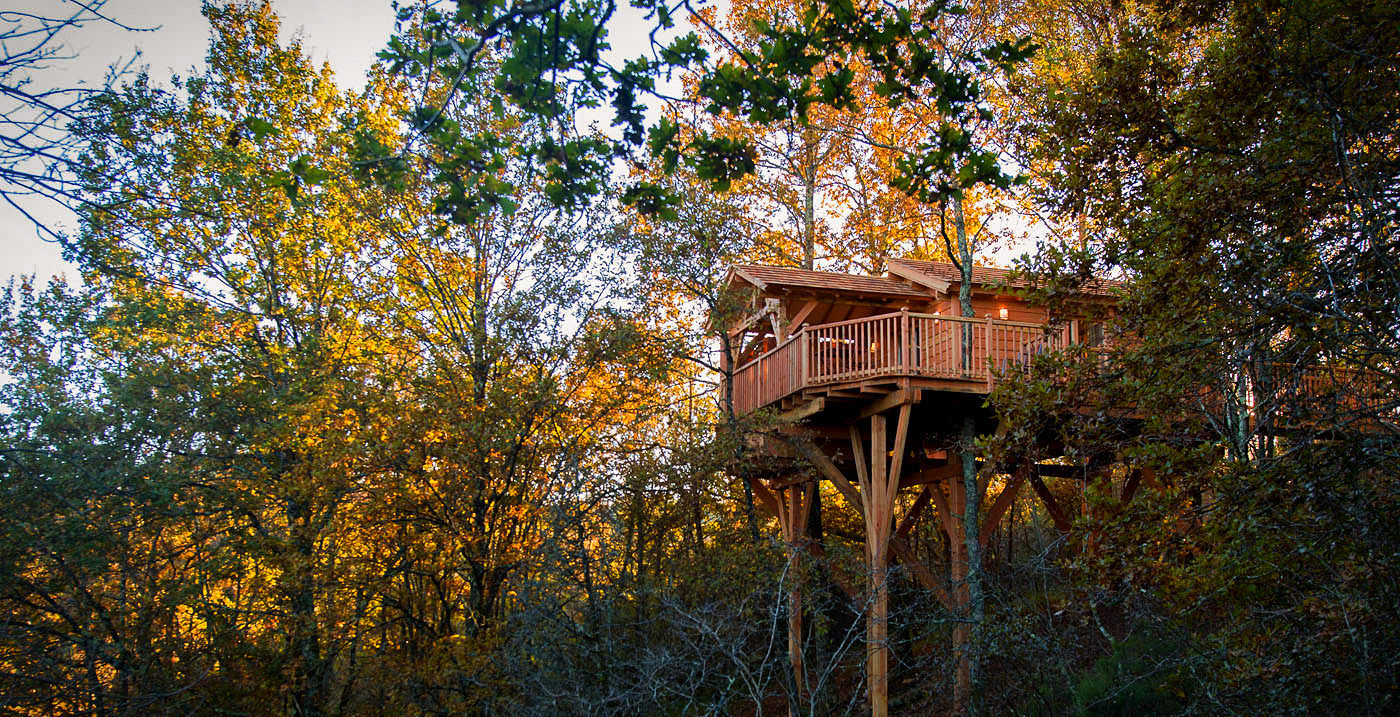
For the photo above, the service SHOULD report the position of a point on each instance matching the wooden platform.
(867, 357)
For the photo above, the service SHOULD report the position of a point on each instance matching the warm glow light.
(1004, 314)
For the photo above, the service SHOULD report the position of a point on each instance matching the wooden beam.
(910, 274)
(765, 497)
(801, 315)
(1002, 503)
(901, 436)
(902, 397)
(906, 524)
(922, 575)
(1131, 485)
(751, 320)
(875, 497)
(944, 506)
(877, 649)
(770, 506)
(1056, 513)
(862, 468)
(828, 469)
(750, 278)
(930, 475)
(808, 409)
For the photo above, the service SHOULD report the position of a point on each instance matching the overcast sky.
(345, 33)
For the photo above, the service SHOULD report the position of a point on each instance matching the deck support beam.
(1004, 501)
(877, 475)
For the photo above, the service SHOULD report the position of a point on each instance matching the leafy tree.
(1232, 162)
(381, 402)
(93, 565)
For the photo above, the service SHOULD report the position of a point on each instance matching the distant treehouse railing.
(902, 343)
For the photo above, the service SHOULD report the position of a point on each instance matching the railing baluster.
(987, 363)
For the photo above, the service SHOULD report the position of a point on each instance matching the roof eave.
(746, 276)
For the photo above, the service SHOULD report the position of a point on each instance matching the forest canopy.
(420, 398)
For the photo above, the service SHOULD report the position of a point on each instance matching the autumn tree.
(98, 551)
(373, 399)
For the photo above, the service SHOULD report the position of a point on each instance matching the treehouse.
(879, 379)
(842, 356)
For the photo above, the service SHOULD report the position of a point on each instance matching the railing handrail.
(983, 320)
(813, 366)
(847, 322)
(790, 372)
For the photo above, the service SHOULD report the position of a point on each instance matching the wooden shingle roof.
(777, 278)
(941, 274)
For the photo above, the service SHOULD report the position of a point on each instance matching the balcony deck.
(883, 352)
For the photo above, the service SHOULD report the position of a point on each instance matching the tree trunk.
(969, 589)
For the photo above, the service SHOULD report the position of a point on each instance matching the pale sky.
(345, 33)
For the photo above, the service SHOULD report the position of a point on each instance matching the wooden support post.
(877, 620)
(883, 485)
(878, 481)
(960, 593)
(905, 341)
(1135, 481)
(988, 363)
(805, 346)
(769, 502)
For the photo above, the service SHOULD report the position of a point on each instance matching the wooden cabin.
(844, 356)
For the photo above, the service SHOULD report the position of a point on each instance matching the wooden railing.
(976, 351)
(1328, 390)
(898, 344)
(770, 377)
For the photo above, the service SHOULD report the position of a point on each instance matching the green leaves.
(1007, 55)
(261, 129)
(721, 160)
(794, 68)
(651, 200)
(685, 51)
(546, 62)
